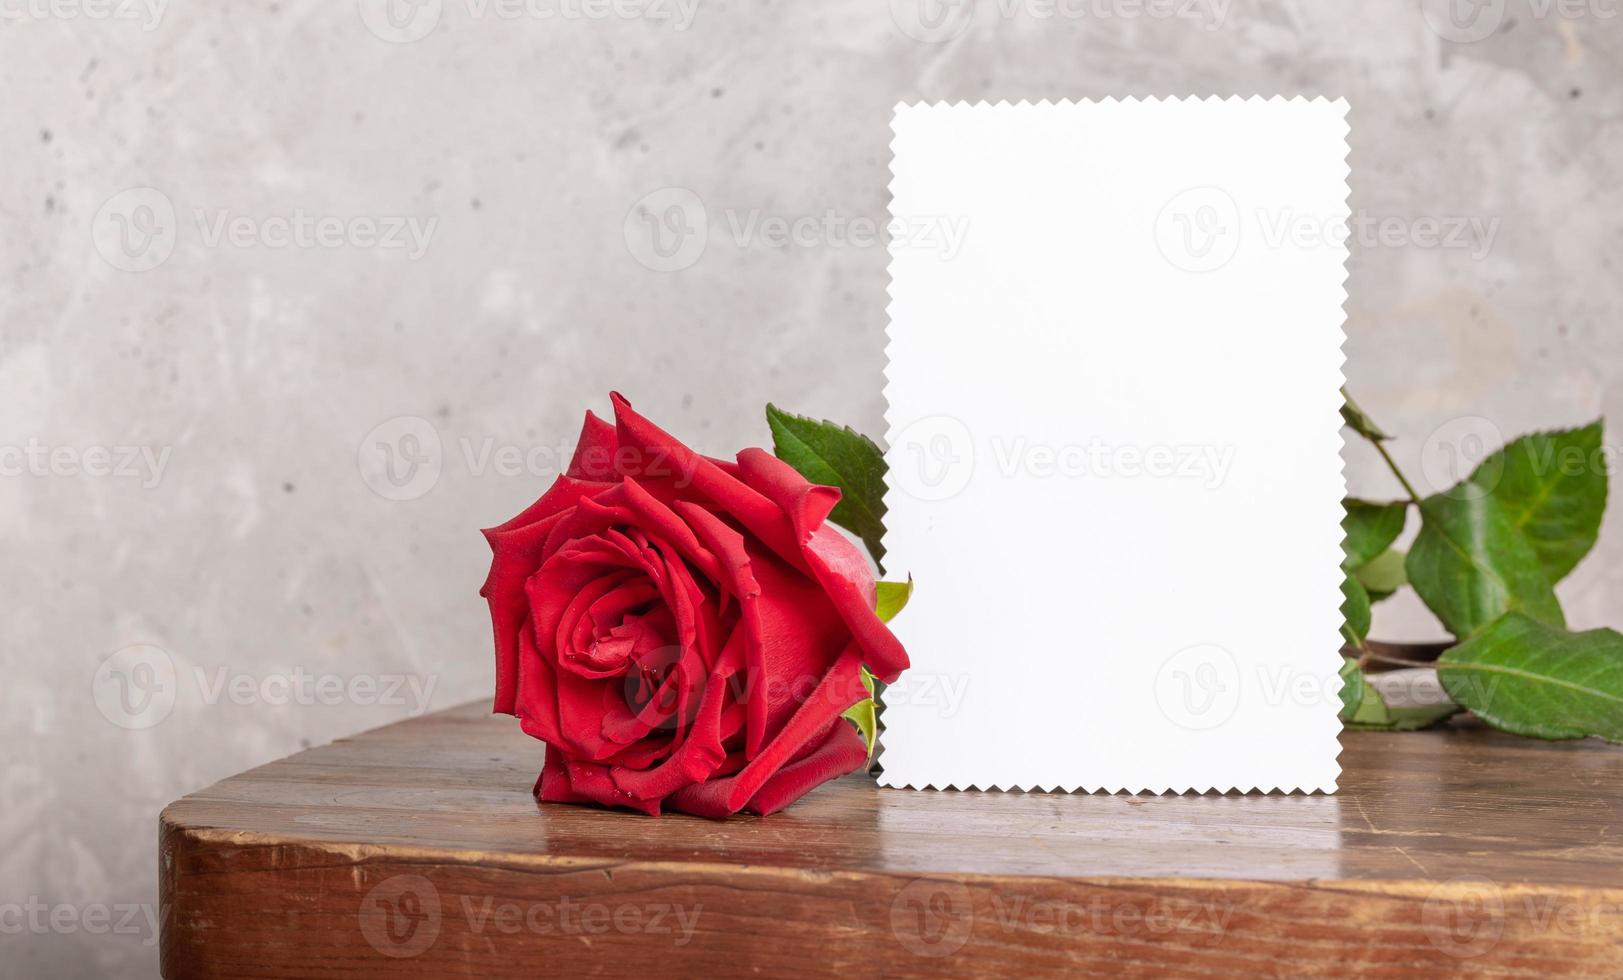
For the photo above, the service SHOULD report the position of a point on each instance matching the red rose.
(683, 632)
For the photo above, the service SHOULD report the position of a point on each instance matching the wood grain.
(417, 850)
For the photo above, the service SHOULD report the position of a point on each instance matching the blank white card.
(1114, 431)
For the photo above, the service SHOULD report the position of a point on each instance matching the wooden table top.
(1435, 841)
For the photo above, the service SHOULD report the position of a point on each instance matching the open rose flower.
(683, 632)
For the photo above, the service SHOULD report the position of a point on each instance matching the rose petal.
(594, 452)
(516, 551)
(721, 797)
(838, 566)
(843, 750)
(694, 759)
(553, 783)
(840, 688)
(593, 782)
(758, 514)
(536, 688)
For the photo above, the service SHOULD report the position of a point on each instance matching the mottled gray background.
(262, 549)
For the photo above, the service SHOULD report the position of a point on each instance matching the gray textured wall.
(176, 321)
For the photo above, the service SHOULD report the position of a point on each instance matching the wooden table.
(417, 849)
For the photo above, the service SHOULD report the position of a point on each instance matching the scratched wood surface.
(417, 849)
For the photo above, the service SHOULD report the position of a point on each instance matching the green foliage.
(893, 598)
(1370, 529)
(835, 456)
(1528, 677)
(1486, 560)
(1470, 564)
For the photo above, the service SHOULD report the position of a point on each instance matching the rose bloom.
(682, 632)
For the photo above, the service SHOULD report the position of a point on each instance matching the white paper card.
(1115, 472)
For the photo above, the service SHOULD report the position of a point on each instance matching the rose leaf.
(1353, 686)
(1355, 613)
(1531, 678)
(836, 456)
(1471, 564)
(1382, 575)
(1370, 529)
(1552, 488)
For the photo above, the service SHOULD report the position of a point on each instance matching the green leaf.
(1352, 687)
(1360, 423)
(1383, 575)
(1370, 529)
(1355, 614)
(1470, 564)
(893, 598)
(1371, 708)
(1363, 708)
(1552, 487)
(1530, 678)
(1407, 719)
(835, 456)
(863, 716)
